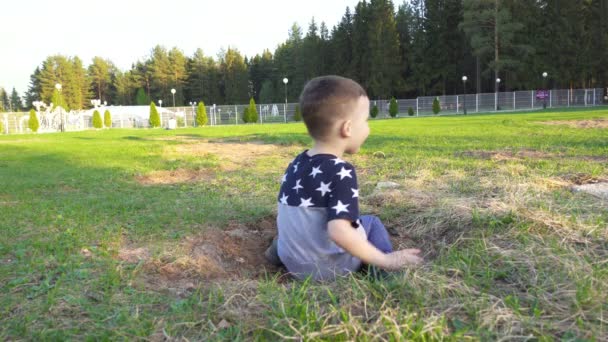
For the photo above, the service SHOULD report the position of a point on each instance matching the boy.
(320, 233)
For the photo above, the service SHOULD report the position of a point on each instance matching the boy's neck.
(324, 147)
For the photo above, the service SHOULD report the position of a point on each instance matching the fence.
(136, 116)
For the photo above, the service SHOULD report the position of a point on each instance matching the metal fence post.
(568, 97)
(514, 100)
(532, 97)
(585, 97)
(550, 98)
(236, 115)
(594, 96)
(417, 106)
(456, 104)
(6, 123)
(477, 103)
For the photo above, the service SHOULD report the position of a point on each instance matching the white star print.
(284, 179)
(340, 207)
(324, 188)
(355, 192)
(298, 186)
(344, 173)
(295, 167)
(338, 161)
(315, 171)
(306, 202)
(284, 199)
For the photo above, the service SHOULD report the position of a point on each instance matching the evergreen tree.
(267, 92)
(58, 100)
(99, 75)
(4, 103)
(16, 104)
(436, 106)
(298, 114)
(410, 111)
(201, 114)
(34, 89)
(393, 108)
(374, 111)
(107, 119)
(154, 116)
(234, 76)
(141, 98)
(252, 110)
(33, 122)
(97, 123)
(246, 117)
(1, 127)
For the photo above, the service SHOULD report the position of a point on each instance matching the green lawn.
(512, 253)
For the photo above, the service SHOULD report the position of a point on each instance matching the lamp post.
(173, 93)
(192, 103)
(464, 86)
(160, 103)
(285, 80)
(496, 95)
(545, 89)
(58, 87)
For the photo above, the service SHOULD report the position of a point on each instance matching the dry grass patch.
(175, 176)
(593, 123)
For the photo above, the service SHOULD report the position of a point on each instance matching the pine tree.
(436, 106)
(245, 117)
(107, 119)
(16, 104)
(154, 116)
(141, 99)
(33, 122)
(298, 114)
(253, 111)
(374, 111)
(393, 108)
(201, 114)
(97, 123)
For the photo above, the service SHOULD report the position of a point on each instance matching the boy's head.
(335, 107)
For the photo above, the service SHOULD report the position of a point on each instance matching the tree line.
(423, 47)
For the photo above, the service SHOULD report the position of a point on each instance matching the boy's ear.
(345, 128)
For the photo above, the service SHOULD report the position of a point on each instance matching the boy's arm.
(343, 234)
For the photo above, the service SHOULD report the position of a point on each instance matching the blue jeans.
(376, 233)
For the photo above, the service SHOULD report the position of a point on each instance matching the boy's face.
(359, 126)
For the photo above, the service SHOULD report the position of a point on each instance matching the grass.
(512, 253)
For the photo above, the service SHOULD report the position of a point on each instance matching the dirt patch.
(583, 178)
(130, 255)
(506, 155)
(236, 253)
(594, 123)
(598, 189)
(175, 176)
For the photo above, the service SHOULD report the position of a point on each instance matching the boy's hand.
(402, 258)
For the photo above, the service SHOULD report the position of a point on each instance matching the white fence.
(136, 117)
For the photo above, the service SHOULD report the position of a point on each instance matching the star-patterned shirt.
(315, 190)
(322, 181)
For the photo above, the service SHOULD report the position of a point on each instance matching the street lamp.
(464, 86)
(192, 103)
(496, 94)
(545, 89)
(173, 93)
(285, 80)
(58, 87)
(160, 103)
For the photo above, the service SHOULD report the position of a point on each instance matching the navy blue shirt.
(322, 181)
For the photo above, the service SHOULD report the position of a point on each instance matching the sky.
(125, 31)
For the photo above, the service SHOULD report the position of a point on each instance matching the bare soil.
(594, 123)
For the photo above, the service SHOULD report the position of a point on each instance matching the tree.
(107, 119)
(16, 104)
(374, 111)
(1, 127)
(245, 117)
(99, 74)
(154, 116)
(253, 111)
(141, 98)
(410, 111)
(235, 77)
(393, 108)
(267, 92)
(33, 122)
(97, 123)
(436, 106)
(298, 115)
(201, 114)
(58, 100)
(4, 102)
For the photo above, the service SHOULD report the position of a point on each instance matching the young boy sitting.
(320, 233)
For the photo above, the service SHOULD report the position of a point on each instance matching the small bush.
(97, 123)
(201, 114)
(436, 106)
(393, 108)
(180, 121)
(1, 127)
(374, 111)
(298, 115)
(253, 112)
(107, 119)
(410, 111)
(154, 116)
(33, 122)
(245, 117)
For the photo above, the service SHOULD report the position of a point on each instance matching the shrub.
(1, 127)
(410, 111)
(245, 117)
(436, 106)
(393, 108)
(298, 115)
(97, 123)
(33, 122)
(107, 119)
(154, 116)
(201, 114)
(253, 112)
(374, 111)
